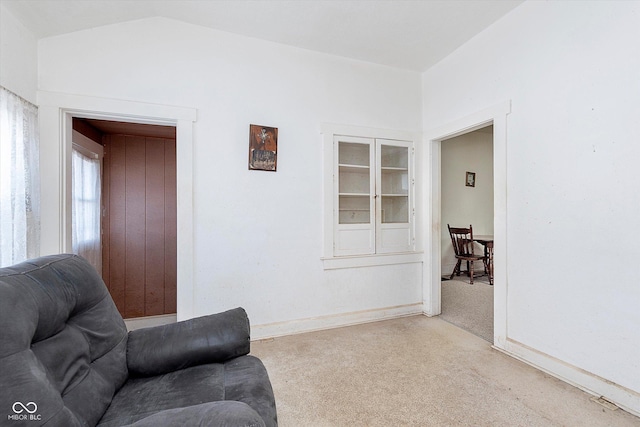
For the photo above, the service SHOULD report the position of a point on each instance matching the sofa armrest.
(207, 339)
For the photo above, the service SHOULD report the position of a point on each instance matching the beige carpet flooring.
(417, 371)
(469, 307)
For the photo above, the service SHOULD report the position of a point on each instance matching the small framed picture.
(263, 148)
(471, 179)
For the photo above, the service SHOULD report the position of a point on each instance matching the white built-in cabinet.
(373, 206)
(369, 199)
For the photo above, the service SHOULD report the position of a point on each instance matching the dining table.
(486, 241)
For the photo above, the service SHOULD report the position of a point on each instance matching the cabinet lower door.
(394, 238)
(354, 239)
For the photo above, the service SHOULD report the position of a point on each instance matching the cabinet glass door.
(354, 183)
(394, 169)
(394, 221)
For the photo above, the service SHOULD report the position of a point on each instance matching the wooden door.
(139, 224)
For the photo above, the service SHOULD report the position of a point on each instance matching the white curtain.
(85, 210)
(19, 179)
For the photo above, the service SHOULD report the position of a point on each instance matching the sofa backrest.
(62, 343)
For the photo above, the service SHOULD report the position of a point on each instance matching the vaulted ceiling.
(409, 34)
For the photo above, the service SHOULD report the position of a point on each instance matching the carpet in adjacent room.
(469, 307)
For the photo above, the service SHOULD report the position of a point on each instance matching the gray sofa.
(66, 358)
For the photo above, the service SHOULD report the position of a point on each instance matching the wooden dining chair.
(462, 241)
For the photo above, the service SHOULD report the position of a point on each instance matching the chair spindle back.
(462, 240)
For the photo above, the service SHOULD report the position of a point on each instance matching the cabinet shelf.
(354, 194)
(352, 166)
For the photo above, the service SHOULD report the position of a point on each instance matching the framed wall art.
(471, 179)
(263, 148)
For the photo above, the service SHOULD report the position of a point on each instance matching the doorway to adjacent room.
(137, 213)
(466, 202)
(495, 116)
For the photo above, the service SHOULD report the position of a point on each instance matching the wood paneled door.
(139, 224)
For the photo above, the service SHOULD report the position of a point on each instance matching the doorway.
(138, 214)
(467, 201)
(495, 115)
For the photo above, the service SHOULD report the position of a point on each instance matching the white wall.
(18, 57)
(571, 72)
(258, 235)
(462, 205)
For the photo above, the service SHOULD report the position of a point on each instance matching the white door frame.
(56, 112)
(496, 115)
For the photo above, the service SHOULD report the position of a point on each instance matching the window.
(86, 165)
(19, 180)
(369, 195)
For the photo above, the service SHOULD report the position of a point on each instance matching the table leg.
(488, 251)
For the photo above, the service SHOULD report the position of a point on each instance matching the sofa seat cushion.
(225, 413)
(243, 379)
(246, 380)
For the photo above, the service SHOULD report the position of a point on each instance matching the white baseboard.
(625, 398)
(311, 324)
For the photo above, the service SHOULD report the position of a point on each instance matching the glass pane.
(350, 153)
(395, 209)
(394, 157)
(354, 210)
(354, 180)
(395, 182)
